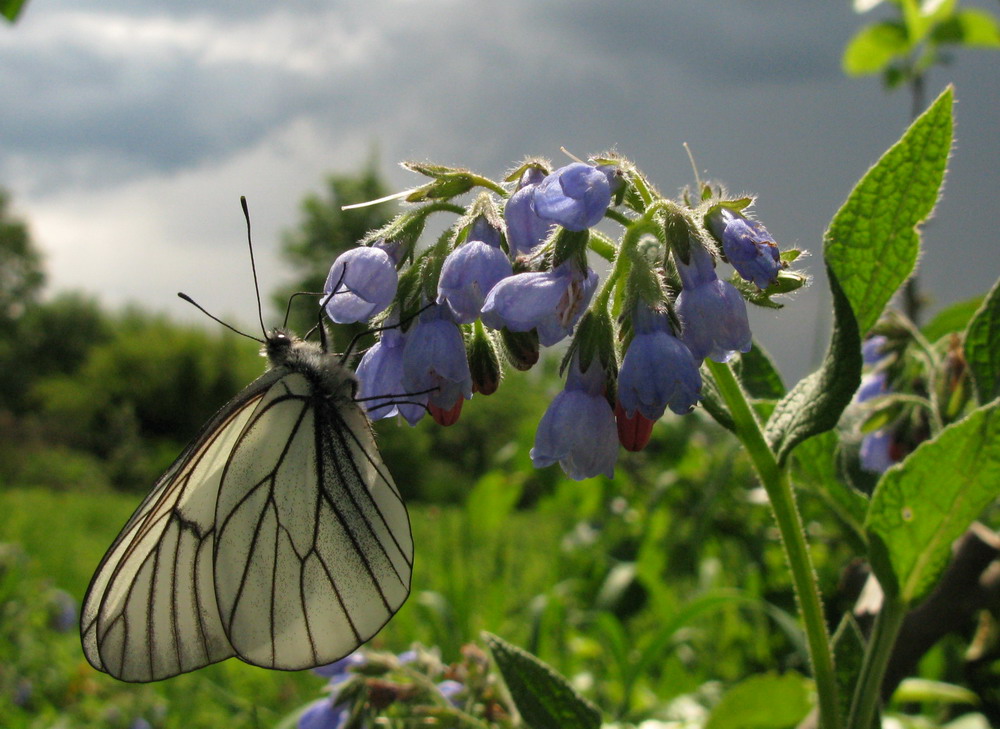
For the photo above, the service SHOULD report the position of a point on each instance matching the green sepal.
(443, 189)
(405, 229)
(594, 339)
(544, 699)
(543, 164)
(570, 244)
(982, 346)
(678, 229)
(520, 349)
(484, 360)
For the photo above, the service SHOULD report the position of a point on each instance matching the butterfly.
(277, 536)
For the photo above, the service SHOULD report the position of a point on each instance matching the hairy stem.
(779, 490)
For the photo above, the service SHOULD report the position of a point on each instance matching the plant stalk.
(868, 689)
(776, 482)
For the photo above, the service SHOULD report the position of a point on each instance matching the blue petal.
(575, 196)
(322, 714)
(714, 318)
(380, 374)
(658, 370)
(578, 430)
(365, 279)
(468, 274)
(434, 358)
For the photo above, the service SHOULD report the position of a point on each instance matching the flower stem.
(779, 490)
(869, 686)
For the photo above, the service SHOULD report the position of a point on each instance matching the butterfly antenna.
(253, 267)
(213, 317)
(288, 306)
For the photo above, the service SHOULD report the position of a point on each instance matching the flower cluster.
(513, 274)
(366, 684)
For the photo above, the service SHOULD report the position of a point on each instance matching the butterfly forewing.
(313, 551)
(150, 609)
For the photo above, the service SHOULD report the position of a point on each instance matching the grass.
(465, 580)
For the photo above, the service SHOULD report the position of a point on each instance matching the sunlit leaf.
(920, 507)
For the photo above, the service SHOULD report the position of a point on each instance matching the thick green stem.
(779, 490)
(868, 689)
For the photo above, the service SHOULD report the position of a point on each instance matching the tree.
(21, 275)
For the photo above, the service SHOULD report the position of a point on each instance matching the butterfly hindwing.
(313, 551)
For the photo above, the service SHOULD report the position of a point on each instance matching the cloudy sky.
(129, 130)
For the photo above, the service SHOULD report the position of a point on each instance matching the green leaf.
(874, 47)
(490, 503)
(872, 242)
(758, 375)
(544, 698)
(712, 401)
(920, 507)
(815, 467)
(971, 28)
(10, 9)
(982, 346)
(954, 318)
(924, 690)
(815, 403)
(767, 701)
(848, 654)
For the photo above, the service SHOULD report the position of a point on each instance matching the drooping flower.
(748, 246)
(550, 302)
(363, 282)
(434, 359)
(575, 196)
(526, 230)
(470, 271)
(712, 312)
(578, 429)
(380, 375)
(658, 369)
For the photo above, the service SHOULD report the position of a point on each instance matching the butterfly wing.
(313, 552)
(150, 611)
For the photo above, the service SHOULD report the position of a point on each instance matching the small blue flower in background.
(877, 448)
(748, 246)
(872, 349)
(876, 451)
(712, 312)
(550, 302)
(323, 714)
(526, 230)
(340, 670)
(380, 373)
(365, 279)
(451, 690)
(578, 429)
(658, 369)
(470, 271)
(434, 359)
(575, 196)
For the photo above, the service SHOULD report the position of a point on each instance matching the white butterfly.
(277, 536)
